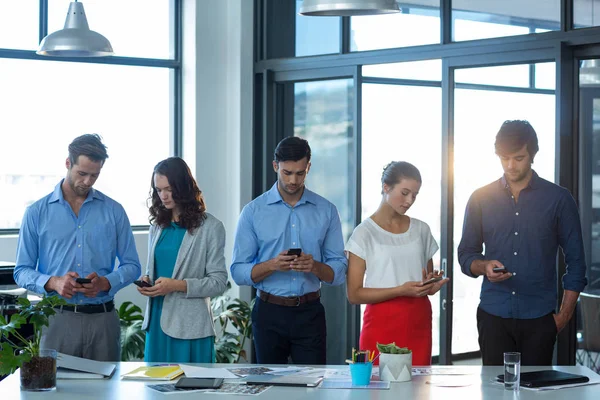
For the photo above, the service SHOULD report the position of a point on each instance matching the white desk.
(418, 388)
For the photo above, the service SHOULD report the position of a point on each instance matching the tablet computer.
(538, 379)
(277, 380)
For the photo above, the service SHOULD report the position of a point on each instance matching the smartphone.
(199, 383)
(432, 280)
(294, 252)
(83, 280)
(499, 269)
(142, 283)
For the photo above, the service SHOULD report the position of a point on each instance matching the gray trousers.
(92, 336)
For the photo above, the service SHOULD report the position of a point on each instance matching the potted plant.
(133, 337)
(233, 318)
(38, 366)
(395, 363)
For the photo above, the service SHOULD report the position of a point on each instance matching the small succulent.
(391, 348)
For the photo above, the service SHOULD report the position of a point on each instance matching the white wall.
(218, 76)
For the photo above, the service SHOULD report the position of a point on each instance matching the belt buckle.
(75, 310)
(297, 301)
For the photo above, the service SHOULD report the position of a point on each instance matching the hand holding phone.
(500, 269)
(432, 280)
(294, 252)
(83, 280)
(142, 284)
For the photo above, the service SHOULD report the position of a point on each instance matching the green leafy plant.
(233, 317)
(133, 338)
(391, 348)
(17, 349)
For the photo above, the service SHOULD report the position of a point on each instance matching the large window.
(478, 116)
(403, 123)
(46, 103)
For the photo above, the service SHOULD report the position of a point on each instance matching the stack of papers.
(154, 373)
(71, 367)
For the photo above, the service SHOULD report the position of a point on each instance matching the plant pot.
(395, 367)
(39, 374)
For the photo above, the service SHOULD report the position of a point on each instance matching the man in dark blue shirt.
(521, 219)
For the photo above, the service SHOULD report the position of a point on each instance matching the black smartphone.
(83, 280)
(142, 283)
(499, 269)
(199, 383)
(294, 252)
(432, 280)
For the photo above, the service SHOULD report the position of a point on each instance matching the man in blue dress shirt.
(288, 318)
(522, 219)
(78, 232)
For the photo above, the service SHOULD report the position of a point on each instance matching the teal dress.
(159, 346)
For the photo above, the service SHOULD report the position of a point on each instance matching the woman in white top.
(389, 258)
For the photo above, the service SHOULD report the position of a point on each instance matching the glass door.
(484, 97)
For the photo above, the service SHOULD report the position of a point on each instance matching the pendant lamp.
(347, 8)
(75, 39)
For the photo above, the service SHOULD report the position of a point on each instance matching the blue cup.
(361, 373)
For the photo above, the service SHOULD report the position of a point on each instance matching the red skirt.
(404, 320)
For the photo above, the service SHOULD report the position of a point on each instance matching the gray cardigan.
(201, 263)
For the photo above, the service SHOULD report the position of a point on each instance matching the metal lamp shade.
(347, 8)
(76, 39)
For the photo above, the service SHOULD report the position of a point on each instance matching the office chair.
(590, 343)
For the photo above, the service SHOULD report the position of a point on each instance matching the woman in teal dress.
(186, 267)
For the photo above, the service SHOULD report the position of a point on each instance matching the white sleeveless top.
(392, 258)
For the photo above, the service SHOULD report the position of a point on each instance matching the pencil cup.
(361, 373)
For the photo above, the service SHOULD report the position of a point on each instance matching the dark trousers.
(280, 332)
(533, 338)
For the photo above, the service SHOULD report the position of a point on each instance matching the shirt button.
(79, 265)
(79, 226)
(516, 213)
(294, 243)
(515, 253)
(293, 279)
(516, 233)
(78, 245)
(512, 197)
(293, 225)
(514, 274)
(514, 293)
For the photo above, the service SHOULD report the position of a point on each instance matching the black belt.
(88, 308)
(290, 301)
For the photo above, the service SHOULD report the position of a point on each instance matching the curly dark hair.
(185, 192)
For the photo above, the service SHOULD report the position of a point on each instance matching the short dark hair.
(292, 148)
(395, 171)
(513, 135)
(89, 145)
(186, 194)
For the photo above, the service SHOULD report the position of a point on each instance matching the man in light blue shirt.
(68, 245)
(289, 241)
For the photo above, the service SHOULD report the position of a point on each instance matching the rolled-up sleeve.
(333, 249)
(26, 274)
(245, 249)
(571, 240)
(471, 243)
(129, 263)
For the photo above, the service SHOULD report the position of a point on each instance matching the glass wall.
(586, 13)
(323, 116)
(403, 123)
(418, 23)
(482, 19)
(477, 117)
(317, 35)
(46, 103)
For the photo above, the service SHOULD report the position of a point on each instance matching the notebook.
(154, 373)
(538, 379)
(289, 380)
